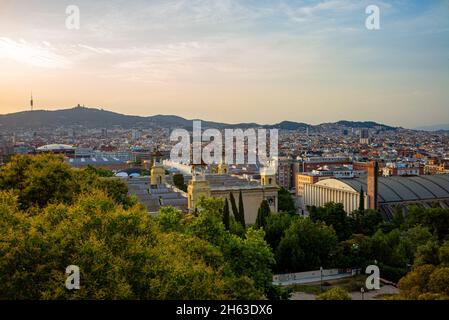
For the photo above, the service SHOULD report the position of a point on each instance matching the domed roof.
(55, 147)
(399, 189)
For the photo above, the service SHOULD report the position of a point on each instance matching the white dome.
(55, 147)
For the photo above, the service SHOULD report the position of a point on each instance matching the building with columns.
(333, 190)
(425, 191)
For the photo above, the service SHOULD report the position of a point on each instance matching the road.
(387, 289)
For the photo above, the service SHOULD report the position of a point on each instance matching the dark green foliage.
(398, 217)
(361, 200)
(276, 225)
(286, 202)
(122, 251)
(99, 171)
(226, 215)
(436, 219)
(333, 214)
(235, 211)
(307, 245)
(43, 179)
(262, 214)
(238, 214)
(366, 222)
(241, 210)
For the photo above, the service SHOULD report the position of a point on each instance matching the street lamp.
(321, 277)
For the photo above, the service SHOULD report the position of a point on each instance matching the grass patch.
(386, 296)
(306, 288)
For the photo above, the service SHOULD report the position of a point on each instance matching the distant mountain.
(99, 118)
(88, 117)
(440, 127)
(289, 125)
(362, 124)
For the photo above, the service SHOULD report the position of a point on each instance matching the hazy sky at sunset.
(229, 60)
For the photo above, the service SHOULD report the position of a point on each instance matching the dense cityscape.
(231, 157)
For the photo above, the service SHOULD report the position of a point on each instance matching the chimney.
(373, 172)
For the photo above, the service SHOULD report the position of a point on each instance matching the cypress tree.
(241, 210)
(262, 214)
(226, 214)
(362, 200)
(235, 212)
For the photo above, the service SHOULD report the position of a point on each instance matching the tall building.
(372, 184)
(136, 134)
(364, 136)
(285, 173)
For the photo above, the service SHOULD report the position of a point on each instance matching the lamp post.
(321, 278)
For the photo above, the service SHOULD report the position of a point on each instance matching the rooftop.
(406, 189)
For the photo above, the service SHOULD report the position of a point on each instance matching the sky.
(228, 60)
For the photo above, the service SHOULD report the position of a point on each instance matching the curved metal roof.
(52, 147)
(402, 189)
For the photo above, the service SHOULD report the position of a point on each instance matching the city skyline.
(231, 61)
(213, 120)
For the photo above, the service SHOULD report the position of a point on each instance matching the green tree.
(105, 173)
(121, 254)
(427, 253)
(398, 217)
(249, 257)
(262, 214)
(361, 200)
(116, 189)
(333, 214)
(236, 227)
(276, 225)
(39, 180)
(43, 179)
(336, 293)
(122, 251)
(439, 281)
(170, 219)
(307, 245)
(415, 282)
(235, 211)
(226, 215)
(411, 239)
(425, 282)
(443, 254)
(371, 220)
(365, 222)
(437, 219)
(241, 210)
(415, 216)
(286, 202)
(238, 214)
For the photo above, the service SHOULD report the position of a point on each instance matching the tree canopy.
(122, 251)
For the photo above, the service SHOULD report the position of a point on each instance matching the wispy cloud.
(38, 55)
